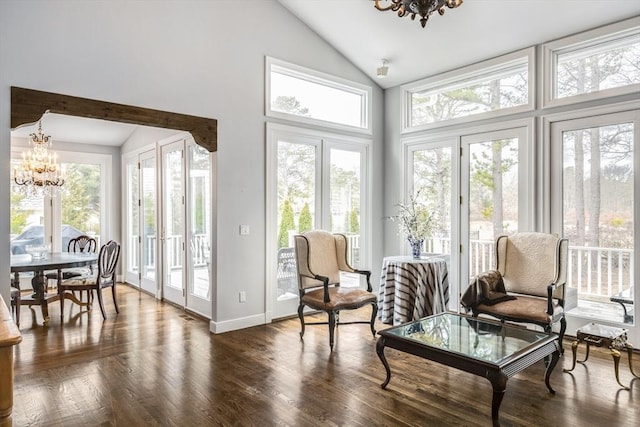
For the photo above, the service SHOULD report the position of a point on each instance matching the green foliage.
(354, 220)
(305, 222)
(286, 224)
(18, 216)
(81, 204)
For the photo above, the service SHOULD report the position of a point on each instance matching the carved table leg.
(616, 364)
(587, 355)
(380, 351)
(574, 350)
(554, 361)
(499, 384)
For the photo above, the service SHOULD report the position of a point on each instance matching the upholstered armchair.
(528, 284)
(321, 256)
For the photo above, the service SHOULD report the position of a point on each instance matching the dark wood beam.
(28, 106)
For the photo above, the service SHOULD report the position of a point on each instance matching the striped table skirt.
(411, 289)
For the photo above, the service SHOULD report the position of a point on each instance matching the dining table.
(413, 288)
(52, 261)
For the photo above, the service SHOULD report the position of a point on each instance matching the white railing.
(596, 273)
(200, 251)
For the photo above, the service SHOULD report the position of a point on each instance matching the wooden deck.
(153, 364)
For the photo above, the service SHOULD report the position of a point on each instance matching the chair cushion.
(524, 308)
(87, 280)
(340, 298)
(15, 292)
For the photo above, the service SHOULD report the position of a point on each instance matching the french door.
(315, 181)
(141, 222)
(476, 195)
(186, 225)
(595, 193)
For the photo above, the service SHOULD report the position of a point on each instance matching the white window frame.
(469, 73)
(327, 141)
(53, 210)
(307, 74)
(578, 42)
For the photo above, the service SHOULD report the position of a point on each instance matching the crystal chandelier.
(39, 173)
(422, 8)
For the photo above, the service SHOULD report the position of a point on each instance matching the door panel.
(173, 222)
(148, 220)
(199, 249)
(595, 208)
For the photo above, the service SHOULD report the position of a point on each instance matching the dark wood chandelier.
(422, 8)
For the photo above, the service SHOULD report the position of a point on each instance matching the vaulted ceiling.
(475, 31)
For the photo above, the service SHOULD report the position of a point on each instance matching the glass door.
(594, 167)
(131, 249)
(496, 195)
(199, 210)
(315, 182)
(148, 243)
(173, 222)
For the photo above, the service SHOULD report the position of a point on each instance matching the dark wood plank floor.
(154, 365)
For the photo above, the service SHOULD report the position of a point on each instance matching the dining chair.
(102, 277)
(15, 300)
(321, 256)
(80, 244)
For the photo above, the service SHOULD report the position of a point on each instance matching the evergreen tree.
(286, 224)
(305, 222)
(354, 225)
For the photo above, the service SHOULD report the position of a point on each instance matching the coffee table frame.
(496, 373)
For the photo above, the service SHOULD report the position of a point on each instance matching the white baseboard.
(235, 324)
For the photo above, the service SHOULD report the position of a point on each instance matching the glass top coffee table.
(481, 347)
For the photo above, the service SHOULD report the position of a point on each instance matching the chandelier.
(423, 8)
(39, 173)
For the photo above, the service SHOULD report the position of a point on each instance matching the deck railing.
(200, 251)
(596, 273)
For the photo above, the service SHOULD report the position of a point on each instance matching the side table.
(615, 339)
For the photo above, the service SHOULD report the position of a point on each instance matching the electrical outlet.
(242, 296)
(244, 230)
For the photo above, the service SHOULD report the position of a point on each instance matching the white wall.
(202, 58)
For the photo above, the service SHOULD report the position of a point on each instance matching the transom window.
(496, 87)
(592, 65)
(302, 94)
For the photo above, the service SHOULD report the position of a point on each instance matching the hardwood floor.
(154, 365)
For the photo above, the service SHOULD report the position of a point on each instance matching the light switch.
(244, 230)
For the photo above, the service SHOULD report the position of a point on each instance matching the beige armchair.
(321, 256)
(528, 284)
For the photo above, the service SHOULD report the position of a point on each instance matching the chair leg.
(104, 313)
(115, 301)
(17, 306)
(374, 312)
(301, 316)
(61, 294)
(563, 328)
(332, 327)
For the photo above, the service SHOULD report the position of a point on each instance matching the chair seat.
(15, 292)
(340, 298)
(533, 309)
(85, 280)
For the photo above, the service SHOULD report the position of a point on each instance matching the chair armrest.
(367, 273)
(550, 291)
(325, 284)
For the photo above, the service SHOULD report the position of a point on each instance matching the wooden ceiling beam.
(28, 106)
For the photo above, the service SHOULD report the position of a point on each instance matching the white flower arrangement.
(414, 220)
